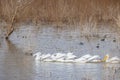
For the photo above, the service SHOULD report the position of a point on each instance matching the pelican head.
(70, 56)
(106, 57)
(37, 56)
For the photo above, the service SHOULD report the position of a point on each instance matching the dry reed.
(65, 11)
(88, 13)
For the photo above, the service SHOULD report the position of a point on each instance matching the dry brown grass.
(88, 14)
(118, 21)
(65, 11)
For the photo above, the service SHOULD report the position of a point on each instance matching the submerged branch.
(11, 27)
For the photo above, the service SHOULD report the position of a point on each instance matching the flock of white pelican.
(70, 57)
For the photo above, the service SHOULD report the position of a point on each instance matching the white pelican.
(58, 57)
(95, 58)
(60, 60)
(45, 56)
(114, 60)
(70, 56)
(111, 60)
(83, 59)
(37, 56)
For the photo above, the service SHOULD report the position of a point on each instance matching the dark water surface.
(16, 65)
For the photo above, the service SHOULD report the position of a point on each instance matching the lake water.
(16, 65)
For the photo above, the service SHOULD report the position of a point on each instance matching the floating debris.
(97, 46)
(114, 40)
